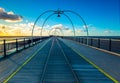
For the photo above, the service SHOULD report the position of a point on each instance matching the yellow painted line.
(19, 68)
(101, 70)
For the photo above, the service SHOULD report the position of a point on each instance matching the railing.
(109, 44)
(9, 46)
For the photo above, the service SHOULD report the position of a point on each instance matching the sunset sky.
(102, 17)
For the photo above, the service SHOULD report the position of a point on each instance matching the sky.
(102, 17)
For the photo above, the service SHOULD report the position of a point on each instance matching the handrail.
(8, 46)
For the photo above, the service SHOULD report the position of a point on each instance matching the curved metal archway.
(59, 12)
(39, 18)
(58, 16)
(80, 18)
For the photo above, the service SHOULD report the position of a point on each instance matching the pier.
(60, 60)
(60, 41)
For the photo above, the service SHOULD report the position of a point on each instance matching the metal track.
(45, 66)
(57, 68)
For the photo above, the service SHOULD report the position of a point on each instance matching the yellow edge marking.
(19, 68)
(101, 70)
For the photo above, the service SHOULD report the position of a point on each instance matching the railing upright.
(17, 45)
(24, 43)
(4, 48)
(109, 44)
(98, 42)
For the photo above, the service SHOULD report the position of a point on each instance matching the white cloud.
(16, 29)
(108, 31)
(22, 29)
(60, 26)
(10, 12)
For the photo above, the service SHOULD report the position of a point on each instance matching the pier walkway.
(57, 60)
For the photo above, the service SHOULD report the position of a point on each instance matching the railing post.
(109, 44)
(4, 48)
(24, 43)
(17, 45)
(98, 42)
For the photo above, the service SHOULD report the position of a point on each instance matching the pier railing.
(109, 44)
(9, 46)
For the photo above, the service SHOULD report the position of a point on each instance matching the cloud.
(9, 16)
(108, 31)
(25, 29)
(20, 29)
(60, 26)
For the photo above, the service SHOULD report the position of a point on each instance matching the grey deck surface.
(57, 70)
(110, 63)
(10, 64)
(29, 73)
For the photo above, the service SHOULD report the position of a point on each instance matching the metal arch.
(80, 18)
(82, 21)
(53, 14)
(71, 22)
(61, 12)
(64, 15)
(56, 29)
(38, 19)
(45, 22)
